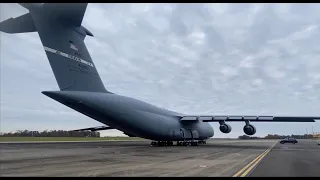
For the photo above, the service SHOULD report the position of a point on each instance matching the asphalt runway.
(291, 160)
(137, 158)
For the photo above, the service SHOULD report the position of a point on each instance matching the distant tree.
(52, 133)
(273, 136)
(248, 137)
(276, 136)
(244, 137)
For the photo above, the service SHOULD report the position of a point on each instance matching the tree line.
(249, 137)
(62, 133)
(52, 133)
(276, 136)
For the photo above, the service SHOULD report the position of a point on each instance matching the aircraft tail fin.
(31, 6)
(62, 36)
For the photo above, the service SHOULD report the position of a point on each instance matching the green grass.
(18, 139)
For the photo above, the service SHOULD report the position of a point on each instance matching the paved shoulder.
(291, 160)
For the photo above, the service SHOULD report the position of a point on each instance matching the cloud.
(236, 59)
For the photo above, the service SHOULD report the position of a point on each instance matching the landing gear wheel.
(160, 143)
(155, 143)
(194, 143)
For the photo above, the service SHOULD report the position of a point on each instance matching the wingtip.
(88, 32)
(45, 93)
(50, 94)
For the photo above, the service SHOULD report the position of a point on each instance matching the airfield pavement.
(138, 158)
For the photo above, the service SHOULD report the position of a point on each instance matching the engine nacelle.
(249, 129)
(225, 128)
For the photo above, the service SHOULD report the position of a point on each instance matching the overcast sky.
(232, 59)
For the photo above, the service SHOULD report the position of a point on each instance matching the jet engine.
(249, 129)
(225, 128)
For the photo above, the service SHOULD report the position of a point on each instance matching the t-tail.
(62, 36)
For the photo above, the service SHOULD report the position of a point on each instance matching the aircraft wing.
(98, 128)
(220, 118)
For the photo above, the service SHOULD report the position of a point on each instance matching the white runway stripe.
(67, 56)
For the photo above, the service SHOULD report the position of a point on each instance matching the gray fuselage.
(133, 116)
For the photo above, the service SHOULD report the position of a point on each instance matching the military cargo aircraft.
(62, 36)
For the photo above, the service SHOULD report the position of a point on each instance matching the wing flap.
(249, 118)
(98, 128)
(189, 119)
(205, 118)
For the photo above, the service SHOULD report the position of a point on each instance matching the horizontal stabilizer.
(248, 118)
(21, 24)
(98, 128)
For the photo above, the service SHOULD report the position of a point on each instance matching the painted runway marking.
(248, 168)
(67, 56)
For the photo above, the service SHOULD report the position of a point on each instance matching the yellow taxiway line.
(244, 171)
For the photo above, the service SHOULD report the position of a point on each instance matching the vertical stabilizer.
(62, 36)
(31, 6)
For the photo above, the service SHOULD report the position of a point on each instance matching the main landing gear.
(188, 143)
(179, 143)
(162, 143)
